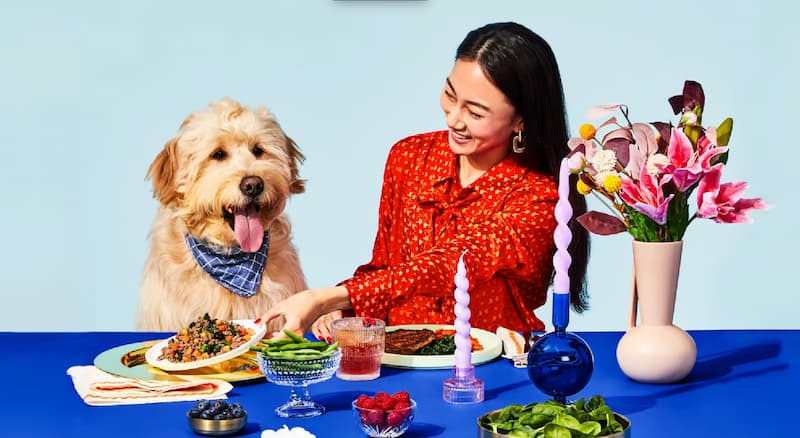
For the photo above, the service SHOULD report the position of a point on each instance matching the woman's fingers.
(322, 326)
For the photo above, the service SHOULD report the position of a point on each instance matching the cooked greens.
(551, 419)
(444, 345)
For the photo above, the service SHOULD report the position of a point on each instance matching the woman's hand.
(321, 328)
(302, 309)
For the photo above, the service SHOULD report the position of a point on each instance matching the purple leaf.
(599, 111)
(693, 95)
(676, 102)
(621, 147)
(636, 159)
(610, 121)
(601, 223)
(579, 147)
(619, 133)
(664, 132)
(645, 138)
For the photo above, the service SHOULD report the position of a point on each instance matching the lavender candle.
(562, 260)
(462, 340)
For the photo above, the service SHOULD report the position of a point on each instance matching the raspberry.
(383, 401)
(360, 400)
(395, 419)
(403, 408)
(380, 396)
(401, 395)
(367, 403)
(374, 418)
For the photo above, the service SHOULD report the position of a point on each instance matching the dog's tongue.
(248, 229)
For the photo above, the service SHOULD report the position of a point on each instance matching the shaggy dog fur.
(198, 179)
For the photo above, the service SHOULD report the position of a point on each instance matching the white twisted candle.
(462, 340)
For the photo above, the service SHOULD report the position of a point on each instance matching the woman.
(486, 186)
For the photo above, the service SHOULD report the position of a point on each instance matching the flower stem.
(613, 210)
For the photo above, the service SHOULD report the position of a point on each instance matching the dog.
(220, 243)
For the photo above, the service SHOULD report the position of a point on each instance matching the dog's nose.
(252, 186)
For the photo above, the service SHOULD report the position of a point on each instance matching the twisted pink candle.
(462, 340)
(562, 235)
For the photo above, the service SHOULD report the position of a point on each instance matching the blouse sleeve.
(516, 242)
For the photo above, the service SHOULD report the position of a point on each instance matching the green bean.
(319, 346)
(277, 342)
(295, 337)
(300, 351)
(331, 348)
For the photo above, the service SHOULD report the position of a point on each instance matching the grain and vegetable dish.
(205, 337)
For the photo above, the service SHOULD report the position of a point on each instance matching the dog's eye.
(258, 151)
(218, 155)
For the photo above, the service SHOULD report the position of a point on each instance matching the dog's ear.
(162, 171)
(296, 159)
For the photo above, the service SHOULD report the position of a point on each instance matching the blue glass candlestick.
(560, 364)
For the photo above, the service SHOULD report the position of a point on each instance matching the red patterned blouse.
(426, 220)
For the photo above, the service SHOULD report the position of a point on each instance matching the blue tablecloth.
(745, 383)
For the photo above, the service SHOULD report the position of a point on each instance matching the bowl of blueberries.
(217, 417)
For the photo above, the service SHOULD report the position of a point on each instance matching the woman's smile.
(459, 138)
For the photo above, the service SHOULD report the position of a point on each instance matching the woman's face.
(480, 118)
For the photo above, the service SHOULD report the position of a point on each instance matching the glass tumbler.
(361, 340)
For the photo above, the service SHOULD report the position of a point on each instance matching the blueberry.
(195, 413)
(219, 404)
(202, 405)
(207, 414)
(237, 412)
(221, 416)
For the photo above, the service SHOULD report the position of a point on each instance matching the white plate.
(492, 347)
(155, 351)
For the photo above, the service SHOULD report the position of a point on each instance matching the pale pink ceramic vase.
(655, 350)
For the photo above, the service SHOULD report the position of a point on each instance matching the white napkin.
(513, 346)
(99, 388)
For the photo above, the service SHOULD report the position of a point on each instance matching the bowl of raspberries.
(384, 415)
(217, 417)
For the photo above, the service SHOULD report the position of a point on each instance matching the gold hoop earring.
(516, 142)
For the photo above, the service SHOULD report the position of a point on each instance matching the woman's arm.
(303, 308)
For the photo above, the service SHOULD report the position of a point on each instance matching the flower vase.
(655, 350)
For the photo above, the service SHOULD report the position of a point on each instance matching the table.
(745, 383)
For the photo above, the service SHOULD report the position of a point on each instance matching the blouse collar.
(499, 177)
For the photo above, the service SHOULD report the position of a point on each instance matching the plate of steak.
(405, 342)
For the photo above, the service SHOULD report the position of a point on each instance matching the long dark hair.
(522, 65)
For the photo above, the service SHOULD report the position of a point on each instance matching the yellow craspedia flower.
(587, 131)
(583, 188)
(612, 183)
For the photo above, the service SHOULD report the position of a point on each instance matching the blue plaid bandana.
(238, 271)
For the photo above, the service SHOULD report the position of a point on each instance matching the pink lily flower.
(723, 203)
(687, 165)
(646, 196)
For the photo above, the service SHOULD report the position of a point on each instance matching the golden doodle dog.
(220, 242)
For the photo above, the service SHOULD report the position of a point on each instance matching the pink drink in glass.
(362, 344)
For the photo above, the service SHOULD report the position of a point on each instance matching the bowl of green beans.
(299, 371)
(298, 362)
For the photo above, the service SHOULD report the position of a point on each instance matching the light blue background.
(91, 91)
